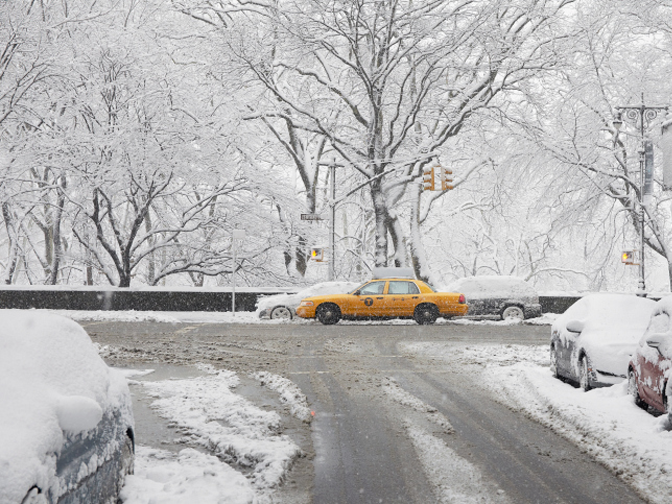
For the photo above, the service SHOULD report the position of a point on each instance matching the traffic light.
(428, 179)
(446, 179)
(628, 257)
(317, 254)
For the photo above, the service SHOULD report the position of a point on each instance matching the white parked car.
(66, 420)
(283, 306)
(504, 297)
(592, 342)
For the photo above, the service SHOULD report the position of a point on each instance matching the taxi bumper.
(305, 311)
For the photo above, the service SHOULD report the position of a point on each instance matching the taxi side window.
(403, 288)
(373, 288)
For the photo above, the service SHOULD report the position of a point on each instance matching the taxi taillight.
(462, 299)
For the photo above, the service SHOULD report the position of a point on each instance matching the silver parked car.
(67, 433)
(283, 306)
(593, 341)
(504, 297)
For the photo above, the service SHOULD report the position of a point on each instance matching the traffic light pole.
(334, 202)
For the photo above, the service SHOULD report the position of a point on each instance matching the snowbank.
(632, 443)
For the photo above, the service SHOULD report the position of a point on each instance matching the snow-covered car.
(504, 297)
(283, 306)
(650, 368)
(592, 342)
(66, 419)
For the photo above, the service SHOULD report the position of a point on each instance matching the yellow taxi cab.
(385, 298)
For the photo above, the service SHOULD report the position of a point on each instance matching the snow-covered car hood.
(54, 384)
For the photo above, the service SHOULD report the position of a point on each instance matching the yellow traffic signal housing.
(428, 179)
(317, 254)
(628, 257)
(446, 179)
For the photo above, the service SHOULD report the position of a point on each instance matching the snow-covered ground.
(633, 443)
(211, 416)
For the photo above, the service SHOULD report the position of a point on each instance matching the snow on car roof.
(493, 286)
(52, 380)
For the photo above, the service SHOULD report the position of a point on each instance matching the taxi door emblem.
(368, 301)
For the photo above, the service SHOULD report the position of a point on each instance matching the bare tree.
(388, 83)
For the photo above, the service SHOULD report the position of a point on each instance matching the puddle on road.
(155, 431)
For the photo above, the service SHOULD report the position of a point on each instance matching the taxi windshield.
(358, 288)
(369, 288)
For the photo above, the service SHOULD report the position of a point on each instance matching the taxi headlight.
(307, 303)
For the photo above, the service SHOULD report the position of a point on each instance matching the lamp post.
(641, 116)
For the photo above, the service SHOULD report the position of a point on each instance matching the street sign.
(311, 216)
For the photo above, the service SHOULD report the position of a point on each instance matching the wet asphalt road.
(359, 441)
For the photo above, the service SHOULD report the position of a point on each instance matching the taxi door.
(372, 301)
(403, 297)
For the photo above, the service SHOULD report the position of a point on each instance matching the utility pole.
(641, 116)
(332, 223)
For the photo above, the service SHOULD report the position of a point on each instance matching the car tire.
(584, 374)
(513, 312)
(426, 314)
(281, 313)
(633, 391)
(554, 362)
(328, 313)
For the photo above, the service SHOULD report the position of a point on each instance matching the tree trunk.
(56, 233)
(12, 256)
(380, 213)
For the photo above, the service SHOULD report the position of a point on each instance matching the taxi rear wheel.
(426, 314)
(328, 313)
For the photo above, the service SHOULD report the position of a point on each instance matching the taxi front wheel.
(426, 314)
(328, 313)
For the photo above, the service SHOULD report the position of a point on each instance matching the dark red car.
(650, 368)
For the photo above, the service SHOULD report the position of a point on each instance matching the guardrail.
(92, 299)
(152, 299)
